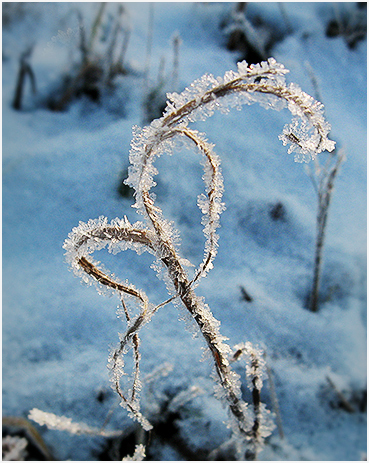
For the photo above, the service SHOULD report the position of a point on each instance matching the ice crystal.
(14, 448)
(138, 455)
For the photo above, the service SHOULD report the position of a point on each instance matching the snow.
(60, 168)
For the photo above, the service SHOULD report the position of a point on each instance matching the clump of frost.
(138, 455)
(14, 448)
(62, 423)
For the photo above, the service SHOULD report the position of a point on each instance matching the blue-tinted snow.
(60, 168)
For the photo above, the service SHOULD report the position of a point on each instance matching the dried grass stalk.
(307, 136)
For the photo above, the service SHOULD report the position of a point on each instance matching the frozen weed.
(101, 51)
(323, 178)
(349, 22)
(307, 136)
(25, 69)
(251, 35)
(22, 442)
(154, 101)
(62, 423)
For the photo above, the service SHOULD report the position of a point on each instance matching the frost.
(52, 421)
(255, 368)
(62, 423)
(267, 425)
(304, 140)
(146, 425)
(138, 455)
(255, 363)
(14, 448)
(98, 234)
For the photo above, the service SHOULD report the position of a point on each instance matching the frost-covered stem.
(83, 240)
(138, 455)
(263, 79)
(137, 357)
(274, 398)
(95, 27)
(252, 453)
(224, 372)
(324, 198)
(252, 80)
(204, 97)
(255, 368)
(238, 85)
(187, 295)
(62, 423)
(24, 70)
(130, 335)
(320, 235)
(214, 190)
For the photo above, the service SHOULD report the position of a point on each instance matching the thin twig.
(345, 403)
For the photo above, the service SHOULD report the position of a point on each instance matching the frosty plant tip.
(306, 135)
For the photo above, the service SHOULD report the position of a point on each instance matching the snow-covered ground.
(60, 168)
